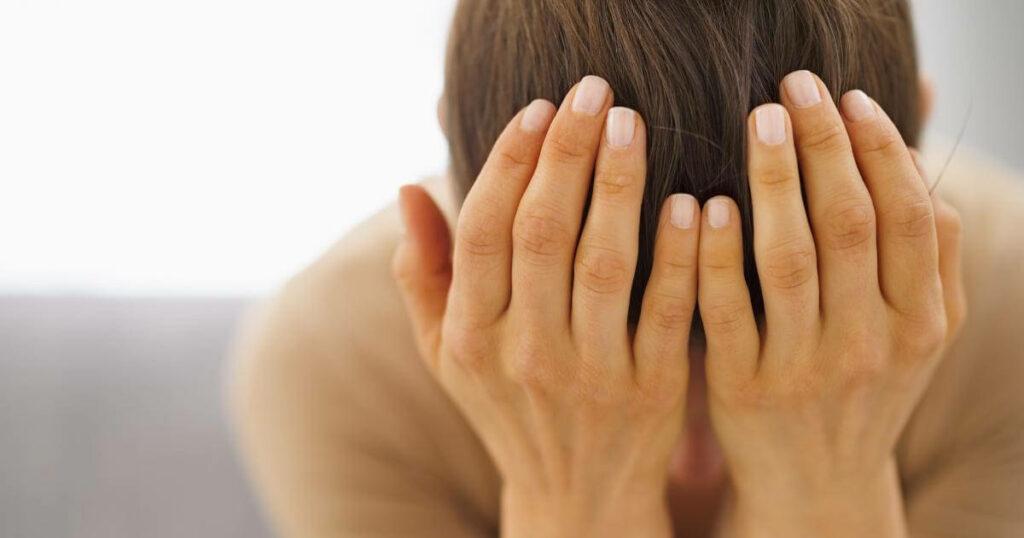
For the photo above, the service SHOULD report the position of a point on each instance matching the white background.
(217, 146)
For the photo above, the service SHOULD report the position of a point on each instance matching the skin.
(521, 316)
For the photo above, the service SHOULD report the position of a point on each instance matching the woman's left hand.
(861, 300)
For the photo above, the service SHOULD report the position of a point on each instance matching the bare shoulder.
(339, 324)
(336, 415)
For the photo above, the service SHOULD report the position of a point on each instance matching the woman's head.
(693, 68)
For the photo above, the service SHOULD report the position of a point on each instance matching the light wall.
(974, 52)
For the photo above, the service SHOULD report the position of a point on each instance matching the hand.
(860, 303)
(527, 329)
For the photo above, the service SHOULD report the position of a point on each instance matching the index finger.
(482, 264)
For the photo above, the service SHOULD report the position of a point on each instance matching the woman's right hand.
(525, 325)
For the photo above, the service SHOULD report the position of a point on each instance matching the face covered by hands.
(862, 295)
(522, 316)
(527, 330)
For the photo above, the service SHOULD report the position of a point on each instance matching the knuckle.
(790, 264)
(613, 184)
(565, 150)
(776, 177)
(864, 370)
(828, 138)
(664, 391)
(540, 235)
(677, 263)
(530, 366)
(669, 313)
(596, 389)
(912, 218)
(468, 349)
(851, 224)
(884, 144)
(527, 371)
(474, 237)
(602, 271)
(799, 391)
(509, 160)
(725, 317)
(863, 361)
(924, 339)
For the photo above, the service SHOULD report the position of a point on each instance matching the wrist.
(595, 514)
(867, 505)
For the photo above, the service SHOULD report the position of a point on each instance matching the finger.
(483, 240)
(723, 297)
(607, 251)
(783, 244)
(663, 331)
(422, 267)
(950, 237)
(547, 223)
(907, 244)
(842, 217)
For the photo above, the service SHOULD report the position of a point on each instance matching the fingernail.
(591, 95)
(537, 116)
(682, 207)
(802, 89)
(770, 121)
(718, 213)
(857, 106)
(621, 127)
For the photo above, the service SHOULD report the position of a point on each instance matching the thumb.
(422, 266)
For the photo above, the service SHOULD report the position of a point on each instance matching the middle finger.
(547, 222)
(842, 216)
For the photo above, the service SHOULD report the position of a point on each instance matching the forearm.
(857, 507)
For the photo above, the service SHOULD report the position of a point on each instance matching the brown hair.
(693, 68)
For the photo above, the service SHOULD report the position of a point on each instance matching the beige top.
(346, 434)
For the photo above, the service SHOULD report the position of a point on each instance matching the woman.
(520, 377)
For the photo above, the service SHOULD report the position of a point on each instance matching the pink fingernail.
(770, 121)
(718, 213)
(591, 95)
(802, 89)
(537, 116)
(621, 127)
(682, 208)
(857, 106)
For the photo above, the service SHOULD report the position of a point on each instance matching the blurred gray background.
(111, 421)
(973, 49)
